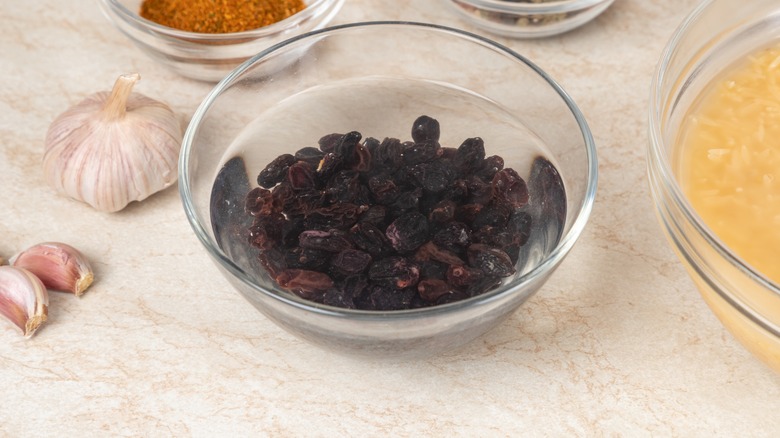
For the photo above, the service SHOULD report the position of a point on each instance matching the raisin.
(433, 269)
(442, 212)
(425, 128)
(461, 277)
(470, 154)
(375, 215)
(397, 272)
(434, 176)
(448, 154)
(455, 237)
(508, 186)
(371, 145)
(350, 262)
(291, 230)
(432, 289)
(491, 261)
(336, 216)
(480, 192)
(520, 226)
(305, 258)
(389, 153)
(383, 188)
(416, 153)
(329, 165)
(408, 232)
(344, 186)
(276, 171)
(377, 297)
(266, 231)
(260, 202)
(490, 166)
(310, 285)
(282, 194)
(328, 142)
(409, 200)
(493, 236)
(337, 297)
(354, 285)
(370, 239)
(457, 191)
(362, 159)
(346, 145)
(302, 176)
(468, 212)
(310, 155)
(496, 214)
(429, 251)
(331, 241)
(273, 262)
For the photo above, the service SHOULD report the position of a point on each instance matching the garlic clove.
(113, 148)
(23, 299)
(58, 265)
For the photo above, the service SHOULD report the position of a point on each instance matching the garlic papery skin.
(24, 300)
(113, 148)
(58, 265)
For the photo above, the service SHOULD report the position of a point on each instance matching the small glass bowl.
(209, 57)
(714, 36)
(526, 19)
(353, 77)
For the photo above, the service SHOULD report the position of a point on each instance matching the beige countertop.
(617, 343)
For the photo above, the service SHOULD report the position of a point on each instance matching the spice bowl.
(208, 56)
(715, 36)
(528, 18)
(354, 78)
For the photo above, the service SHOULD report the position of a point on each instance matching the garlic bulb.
(113, 148)
(23, 299)
(58, 265)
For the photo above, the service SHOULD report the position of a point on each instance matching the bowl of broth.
(714, 163)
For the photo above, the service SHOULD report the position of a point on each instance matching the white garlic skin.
(107, 159)
(24, 300)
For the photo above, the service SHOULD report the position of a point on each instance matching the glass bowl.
(354, 77)
(528, 18)
(209, 57)
(715, 35)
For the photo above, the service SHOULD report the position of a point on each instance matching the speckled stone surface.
(617, 343)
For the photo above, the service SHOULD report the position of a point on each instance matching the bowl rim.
(550, 7)
(134, 19)
(659, 160)
(547, 265)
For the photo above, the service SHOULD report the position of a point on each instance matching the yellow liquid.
(729, 168)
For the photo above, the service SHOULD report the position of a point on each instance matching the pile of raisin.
(389, 225)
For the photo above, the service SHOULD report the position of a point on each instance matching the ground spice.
(219, 16)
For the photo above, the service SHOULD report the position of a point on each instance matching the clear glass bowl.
(356, 77)
(524, 19)
(209, 57)
(715, 35)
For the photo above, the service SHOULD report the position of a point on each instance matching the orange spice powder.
(219, 16)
